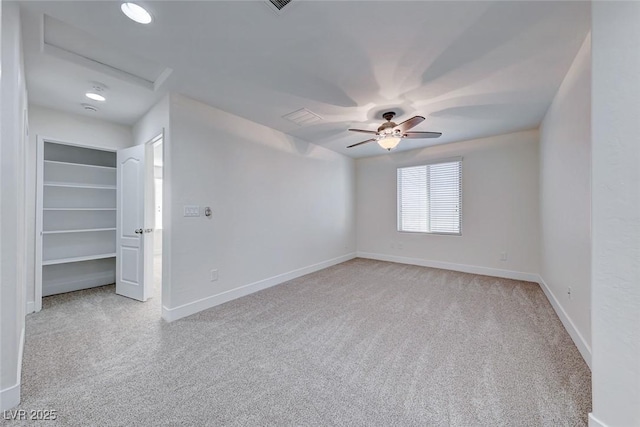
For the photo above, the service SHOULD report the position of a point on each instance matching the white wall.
(13, 113)
(78, 129)
(153, 123)
(280, 206)
(616, 213)
(565, 200)
(499, 208)
(63, 127)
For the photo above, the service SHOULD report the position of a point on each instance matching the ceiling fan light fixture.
(136, 13)
(389, 134)
(389, 142)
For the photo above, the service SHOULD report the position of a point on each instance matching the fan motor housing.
(389, 124)
(388, 115)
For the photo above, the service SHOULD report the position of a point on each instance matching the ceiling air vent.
(277, 6)
(89, 107)
(302, 117)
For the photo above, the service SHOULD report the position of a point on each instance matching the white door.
(132, 236)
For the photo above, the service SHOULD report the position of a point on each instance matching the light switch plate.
(191, 210)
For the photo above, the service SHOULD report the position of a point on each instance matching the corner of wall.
(10, 396)
(565, 201)
(594, 422)
(583, 347)
(12, 201)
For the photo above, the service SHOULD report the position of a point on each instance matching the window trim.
(427, 163)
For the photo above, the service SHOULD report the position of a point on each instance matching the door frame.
(166, 213)
(149, 207)
(165, 294)
(152, 193)
(150, 213)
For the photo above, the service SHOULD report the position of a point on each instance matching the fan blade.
(360, 143)
(408, 124)
(417, 135)
(364, 131)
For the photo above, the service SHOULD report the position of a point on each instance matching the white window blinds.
(430, 198)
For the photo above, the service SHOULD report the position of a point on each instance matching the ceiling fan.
(389, 134)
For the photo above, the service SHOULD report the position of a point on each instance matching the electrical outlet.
(503, 256)
(214, 275)
(191, 210)
(569, 292)
(400, 245)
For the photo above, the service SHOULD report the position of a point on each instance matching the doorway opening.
(158, 164)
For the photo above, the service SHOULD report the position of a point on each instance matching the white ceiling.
(472, 68)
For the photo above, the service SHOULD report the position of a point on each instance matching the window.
(429, 198)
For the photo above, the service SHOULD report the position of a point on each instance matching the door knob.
(138, 231)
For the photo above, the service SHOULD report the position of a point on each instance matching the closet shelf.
(86, 230)
(76, 217)
(78, 259)
(78, 185)
(79, 209)
(56, 162)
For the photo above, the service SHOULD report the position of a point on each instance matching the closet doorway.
(76, 211)
(98, 219)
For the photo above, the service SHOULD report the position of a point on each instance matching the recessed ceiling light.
(97, 92)
(136, 13)
(95, 96)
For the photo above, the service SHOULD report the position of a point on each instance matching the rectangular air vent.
(277, 6)
(302, 117)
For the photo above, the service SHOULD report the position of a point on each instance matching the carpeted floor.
(361, 343)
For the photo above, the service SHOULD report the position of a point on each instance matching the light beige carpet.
(361, 343)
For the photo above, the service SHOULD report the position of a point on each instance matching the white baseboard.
(464, 268)
(576, 336)
(31, 307)
(594, 422)
(171, 314)
(10, 396)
